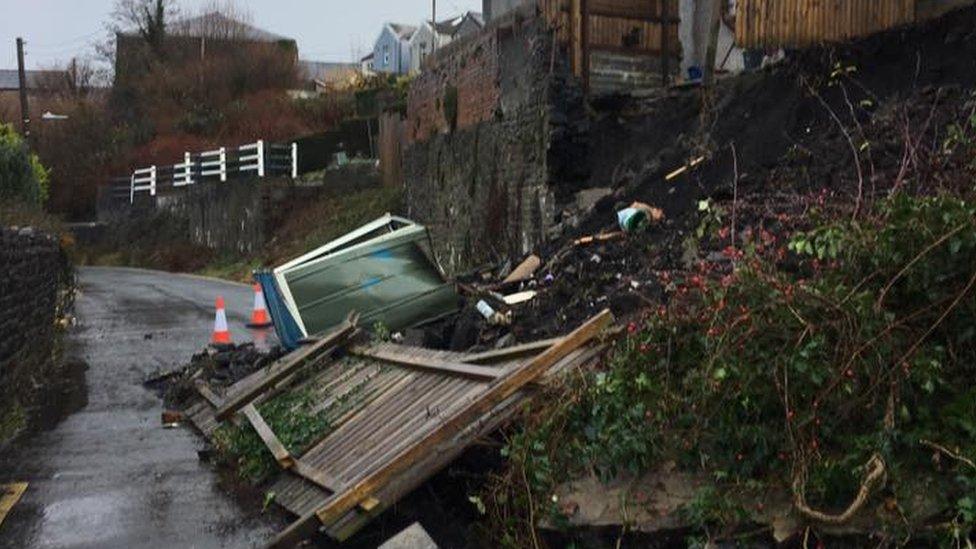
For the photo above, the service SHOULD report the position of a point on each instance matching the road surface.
(109, 475)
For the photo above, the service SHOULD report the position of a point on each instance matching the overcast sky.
(326, 30)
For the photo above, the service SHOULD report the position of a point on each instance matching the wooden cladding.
(623, 26)
(634, 9)
(771, 23)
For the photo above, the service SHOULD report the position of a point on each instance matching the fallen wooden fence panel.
(396, 416)
(393, 444)
(251, 387)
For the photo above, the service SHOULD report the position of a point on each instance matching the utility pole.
(24, 111)
(433, 22)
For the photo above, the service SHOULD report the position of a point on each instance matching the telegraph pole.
(25, 113)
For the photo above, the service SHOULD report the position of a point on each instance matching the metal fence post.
(223, 164)
(294, 160)
(132, 189)
(260, 158)
(152, 181)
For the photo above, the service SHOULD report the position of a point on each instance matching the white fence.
(260, 159)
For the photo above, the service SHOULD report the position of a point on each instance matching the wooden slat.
(431, 365)
(264, 431)
(316, 476)
(264, 379)
(207, 393)
(10, 494)
(771, 23)
(497, 392)
(509, 353)
(328, 482)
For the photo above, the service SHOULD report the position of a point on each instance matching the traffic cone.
(259, 316)
(221, 333)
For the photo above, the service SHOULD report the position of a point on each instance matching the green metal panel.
(388, 278)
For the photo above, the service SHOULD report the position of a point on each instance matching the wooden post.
(187, 169)
(294, 160)
(223, 164)
(585, 44)
(132, 189)
(715, 25)
(575, 36)
(22, 79)
(152, 180)
(665, 42)
(260, 158)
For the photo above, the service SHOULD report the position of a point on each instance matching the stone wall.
(488, 178)
(227, 217)
(233, 217)
(34, 279)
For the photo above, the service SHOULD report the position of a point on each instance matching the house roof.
(326, 72)
(367, 57)
(217, 25)
(10, 80)
(449, 27)
(402, 31)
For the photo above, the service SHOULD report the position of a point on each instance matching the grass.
(316, 223)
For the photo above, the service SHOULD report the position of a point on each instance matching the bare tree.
(147, 18)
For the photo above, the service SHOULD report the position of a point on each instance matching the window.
(386, 55)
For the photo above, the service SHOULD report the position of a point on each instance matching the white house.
(391, 51)
(431, 36)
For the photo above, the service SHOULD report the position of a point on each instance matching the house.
(37, 81)
(322, 76)
(366, 64)
(391, 51)
(198, 38)
(433, 35)
(493, 9)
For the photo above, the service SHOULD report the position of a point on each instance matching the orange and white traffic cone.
(221, 333)
(259, 316)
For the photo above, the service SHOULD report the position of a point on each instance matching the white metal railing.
(261, 159)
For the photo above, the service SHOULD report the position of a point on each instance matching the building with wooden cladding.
(619, 44)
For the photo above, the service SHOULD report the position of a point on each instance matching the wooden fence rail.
(261, 159)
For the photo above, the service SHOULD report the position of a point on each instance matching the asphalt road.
(109, 475)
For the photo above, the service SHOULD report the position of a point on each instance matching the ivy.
(794, 372)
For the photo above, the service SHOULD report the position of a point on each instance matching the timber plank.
(10, 494)
(278, 450)
(510, 352)
(428, 364)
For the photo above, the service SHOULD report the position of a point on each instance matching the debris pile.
(218, 365)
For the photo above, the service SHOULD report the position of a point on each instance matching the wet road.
(109, 475)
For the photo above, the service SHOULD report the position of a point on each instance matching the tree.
(148, 18)
(22, 177)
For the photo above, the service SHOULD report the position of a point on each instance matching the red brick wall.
(471, 67)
